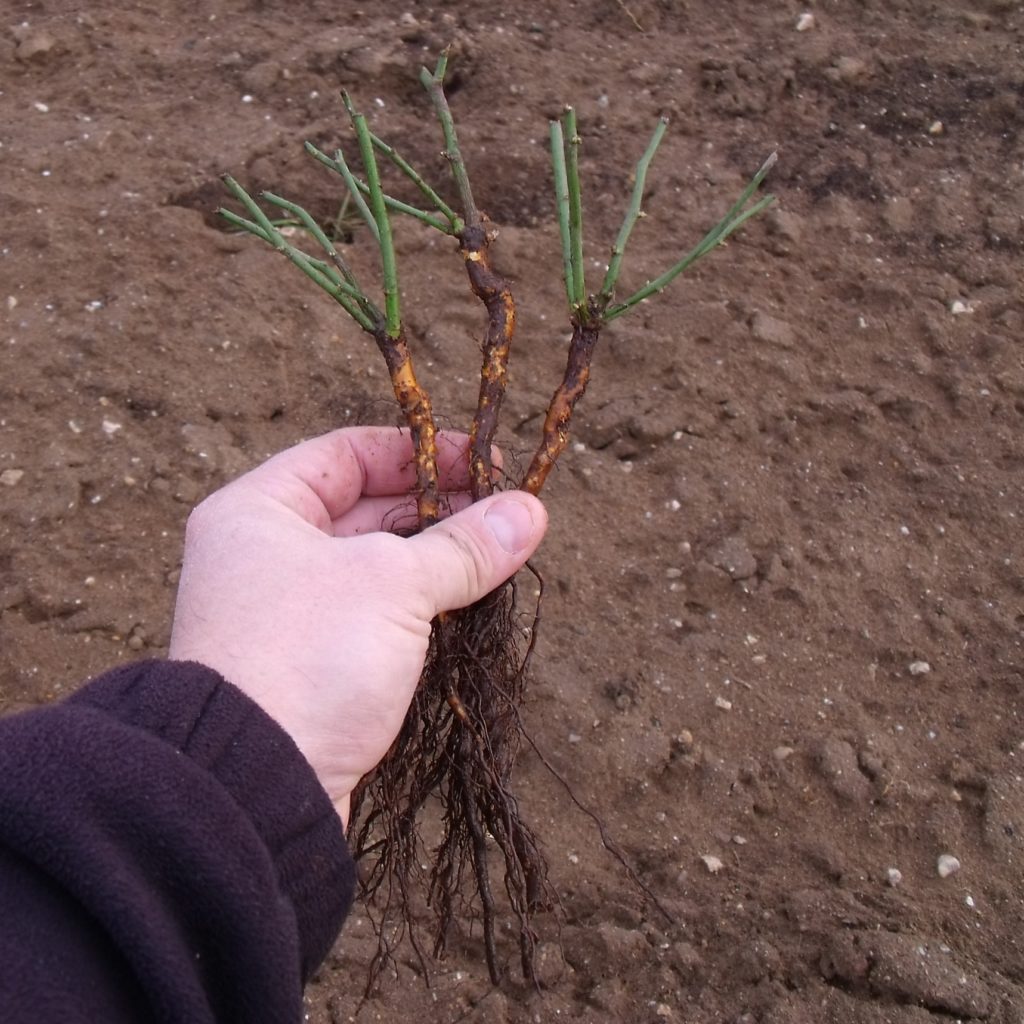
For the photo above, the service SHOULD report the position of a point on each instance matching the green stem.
(347, 283)
(632, 214)
(339, 165)
(245, 225)
(434, 84)
(314, 269)
(735, 223)
(734, 219)
(270, 232)
(751, 188)
(562, 206)
(454, 221)
(318, 233)
(319, 154)
(360, 188)
(340, 217)
(572, 147)
(389, 269)
(412, 211)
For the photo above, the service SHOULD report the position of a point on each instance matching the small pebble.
(919, 668)
(805, 22)
(936, 128)
(849, 69)
(958, 307)
(947, 865)
(969, 900)
(893, 877)
(712, 863)
(35, 47)
(739, 840)
(722, 704)
(773, 331)
(10, 477)
(685, 740)
(782, 753)
(111, 427)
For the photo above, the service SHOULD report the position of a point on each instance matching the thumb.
(468, 555)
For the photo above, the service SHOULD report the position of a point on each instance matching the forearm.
(165, 854)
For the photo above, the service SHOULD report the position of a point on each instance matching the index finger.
(323, 478)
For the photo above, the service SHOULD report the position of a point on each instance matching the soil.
(780, 653)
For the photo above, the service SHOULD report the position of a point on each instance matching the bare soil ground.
(797, 482)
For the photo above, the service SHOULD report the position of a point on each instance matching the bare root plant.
(459, 743)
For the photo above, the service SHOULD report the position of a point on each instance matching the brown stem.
(556, 424)
(493, 290)
(415, 405)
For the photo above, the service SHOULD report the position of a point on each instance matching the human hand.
(292, 589)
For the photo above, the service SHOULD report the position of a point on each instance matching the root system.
(456, 751)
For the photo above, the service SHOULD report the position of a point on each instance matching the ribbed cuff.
(195, 710)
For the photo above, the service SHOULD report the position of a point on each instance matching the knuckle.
(199, 519)
(207, 517)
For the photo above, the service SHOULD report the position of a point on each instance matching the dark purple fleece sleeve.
(166, 854)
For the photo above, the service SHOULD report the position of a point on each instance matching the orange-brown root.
(415, 405)
(494, 291)
(556, 423)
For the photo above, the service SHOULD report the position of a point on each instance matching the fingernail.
(511, 524)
